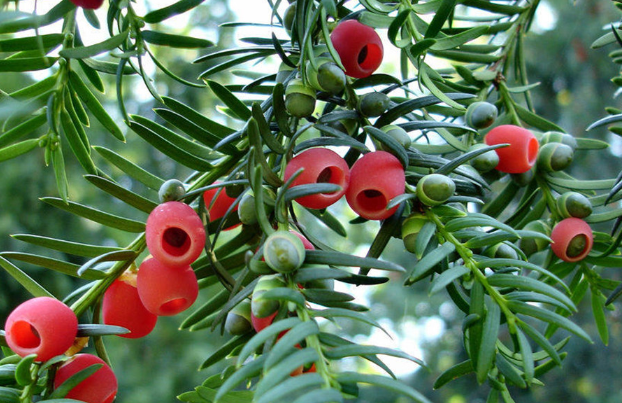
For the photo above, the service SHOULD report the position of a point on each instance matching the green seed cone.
(398, 134)
(299, 99)
(171, 190)
(284, 251)
(410, 230)
(373, 104)
(553, 157)
(533, 245)
(574, 204)
(435, 189)
(480, 115)
(484, 162)
(238, 320)
(260, 307)
(559, 137)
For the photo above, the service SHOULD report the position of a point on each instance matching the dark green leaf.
(17, 149)
(24, 279)
(84, 52)
(320, 396)
(101, 217)
(455, 372)
(423, 267)
(487, 347)
(225, 350)
(174, 41)
(383, 382)
(60, 266)
(446, 277)
(73, 248)
(231, 101)
(174, 9)
(343, 259)
(443, 13)
(130, 169)
(127, 196)
(27, 64)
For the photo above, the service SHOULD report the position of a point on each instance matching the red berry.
(175, 234)
(165, 290)
(218, 208)
(375, 179)
(122, 306)
(522, 152)
(260, 324)
(43, 326)
(305, 242)
(572, 239)
(359, 48)
(320, 165)
(100, 387)
(90, 4)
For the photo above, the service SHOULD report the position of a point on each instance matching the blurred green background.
(574, 89)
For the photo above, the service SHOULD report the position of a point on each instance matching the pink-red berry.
(359, 47)
(100, 387)
(122, 306)
(522, 152)
(260, 324)
(572, 239)
(165, 290)
(174, 234)
(43, 326)
(218, 207)
(375, 179)
(90, 4)
(320, 165)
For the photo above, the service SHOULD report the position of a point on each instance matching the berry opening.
(368, 56)
(576, 246)
(372, 199)
(173, 306)
(332, 175)
(25, 334)
(175, 241)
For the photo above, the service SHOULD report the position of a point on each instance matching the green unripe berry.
(246, 209)
(574, 204)
(559, 137)
(283, 251)
(171, 190)
(238, 320)
(299, 99)
(328, 77)
(283, 73)
(261, 307)
(501, 251)
(373, 104)
(553, 157)
(484, 162)
(435, 189)
(533, 245)
(480, 115)
(398, 134)
(411, 227)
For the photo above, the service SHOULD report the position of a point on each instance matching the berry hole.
(576, 246)
(368, 57)
(372, 200)
(175, 241)
(25, 335)
(332, 175)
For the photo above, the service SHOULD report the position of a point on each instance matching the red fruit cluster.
(359, 47)
(43, 326)
(522, 152)
(175, 237)
(90, 4)
(374, 179)
(100, 387)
